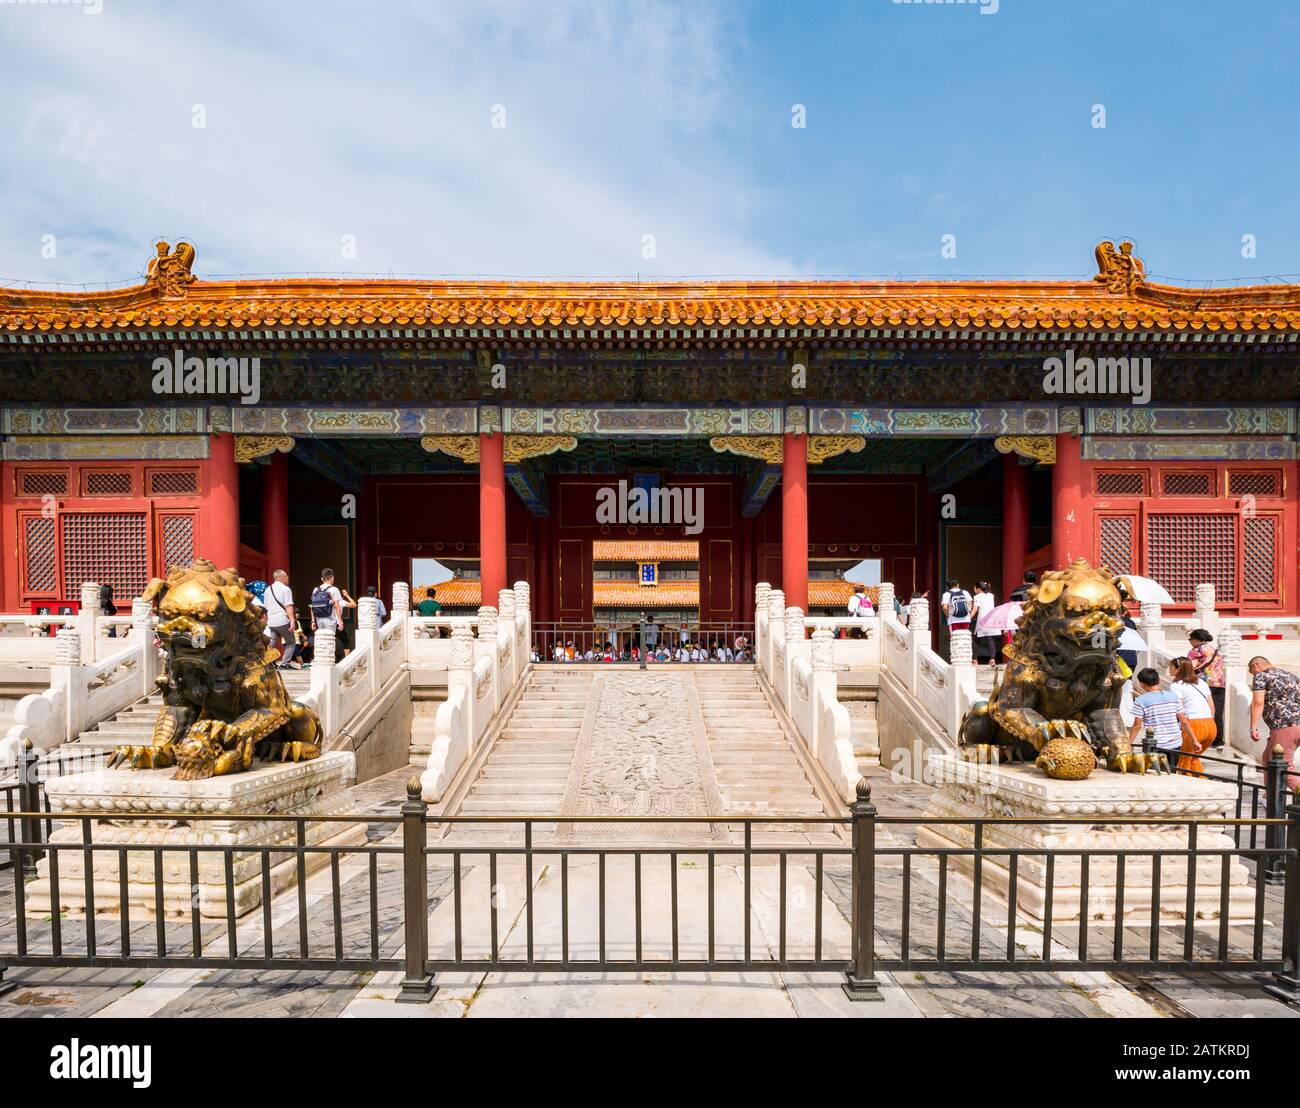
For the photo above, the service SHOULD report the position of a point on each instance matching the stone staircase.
(860, 702)
(758, 771)
(425, 702)
(528, 767)
(134, 724)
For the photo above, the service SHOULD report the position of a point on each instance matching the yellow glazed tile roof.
(1118, 298)
(653, 550)
(619, 594)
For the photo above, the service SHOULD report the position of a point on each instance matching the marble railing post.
(87, 620)
(1234, 675)
(776, 633)
(886, 598)
(142, 632)
(324, 687)
(506, 633)
(794, 648)
(524, 607)
(1151, 629)
(368, 638)
(961, 678)
(918, 633)
(761, 591)
(1206, 615)
(66, 674)
(460, 673)
(486, 647)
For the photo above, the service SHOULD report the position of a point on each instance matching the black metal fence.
(426, 894)
(1263, 792)
(636, 643)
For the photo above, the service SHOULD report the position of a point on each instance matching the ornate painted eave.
(1119, 298)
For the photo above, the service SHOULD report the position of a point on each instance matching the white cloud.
(333, 119)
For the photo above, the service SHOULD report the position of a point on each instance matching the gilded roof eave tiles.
(957, 305)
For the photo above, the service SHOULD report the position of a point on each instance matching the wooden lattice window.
(1188, 482)
(1259, 555)
(1267, 482)
(111, 548)
(1186, 549)
(1121, 482)
(42, 482)
(106, 482)
(177, 540)
(172, 482)
(1115, 543)
(38, 554)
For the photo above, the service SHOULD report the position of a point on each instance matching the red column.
(275, 512)
(794, 521)
(221, 520)
(1069, 522)
(492, 515)
(1015, 523)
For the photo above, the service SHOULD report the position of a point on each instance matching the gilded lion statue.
(223, 700)
(1058, 700)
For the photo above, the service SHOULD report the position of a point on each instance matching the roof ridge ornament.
(1120, 269)
(169, 269)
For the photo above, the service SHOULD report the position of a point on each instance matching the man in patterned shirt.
(1276, 701)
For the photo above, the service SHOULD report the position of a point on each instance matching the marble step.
(517, 735)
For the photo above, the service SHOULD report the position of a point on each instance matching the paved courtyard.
(44, 992)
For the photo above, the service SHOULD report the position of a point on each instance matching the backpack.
(322, 604)
(959, 607)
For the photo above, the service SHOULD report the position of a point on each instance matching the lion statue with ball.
(1058, 700)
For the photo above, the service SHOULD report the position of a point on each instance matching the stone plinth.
(967, 790)
(315, 788)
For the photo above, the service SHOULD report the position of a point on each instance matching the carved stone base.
(967, 790)
(315, 788)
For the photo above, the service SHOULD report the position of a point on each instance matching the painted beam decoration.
(989, 422)
(327, 422)
(115, 448)
(1117, 448)
(643, 421)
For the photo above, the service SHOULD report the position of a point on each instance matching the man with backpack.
(957, 605)
(327, 610)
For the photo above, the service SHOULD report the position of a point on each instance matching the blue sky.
(360, 138)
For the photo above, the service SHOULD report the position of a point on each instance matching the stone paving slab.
(285, 993)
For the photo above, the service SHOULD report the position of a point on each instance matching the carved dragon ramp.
(642, 751)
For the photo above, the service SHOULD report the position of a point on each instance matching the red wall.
(1155, 497)
(855, 517)
(433, 516)
(78, 478)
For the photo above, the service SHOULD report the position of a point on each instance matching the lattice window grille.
(1255, 484)
(1121, 483)
(1180, 483)
(107, 482)
(173, 482)
(109, 547)
(1116, 543)
(43, 483)
(1259, 555)
(178, 540)
(38, 541)
(1188, 549)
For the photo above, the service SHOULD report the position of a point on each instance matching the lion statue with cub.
(223, 700)
(1058, 700)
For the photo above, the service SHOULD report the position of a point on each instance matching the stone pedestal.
(967, 790)
(315, 788)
